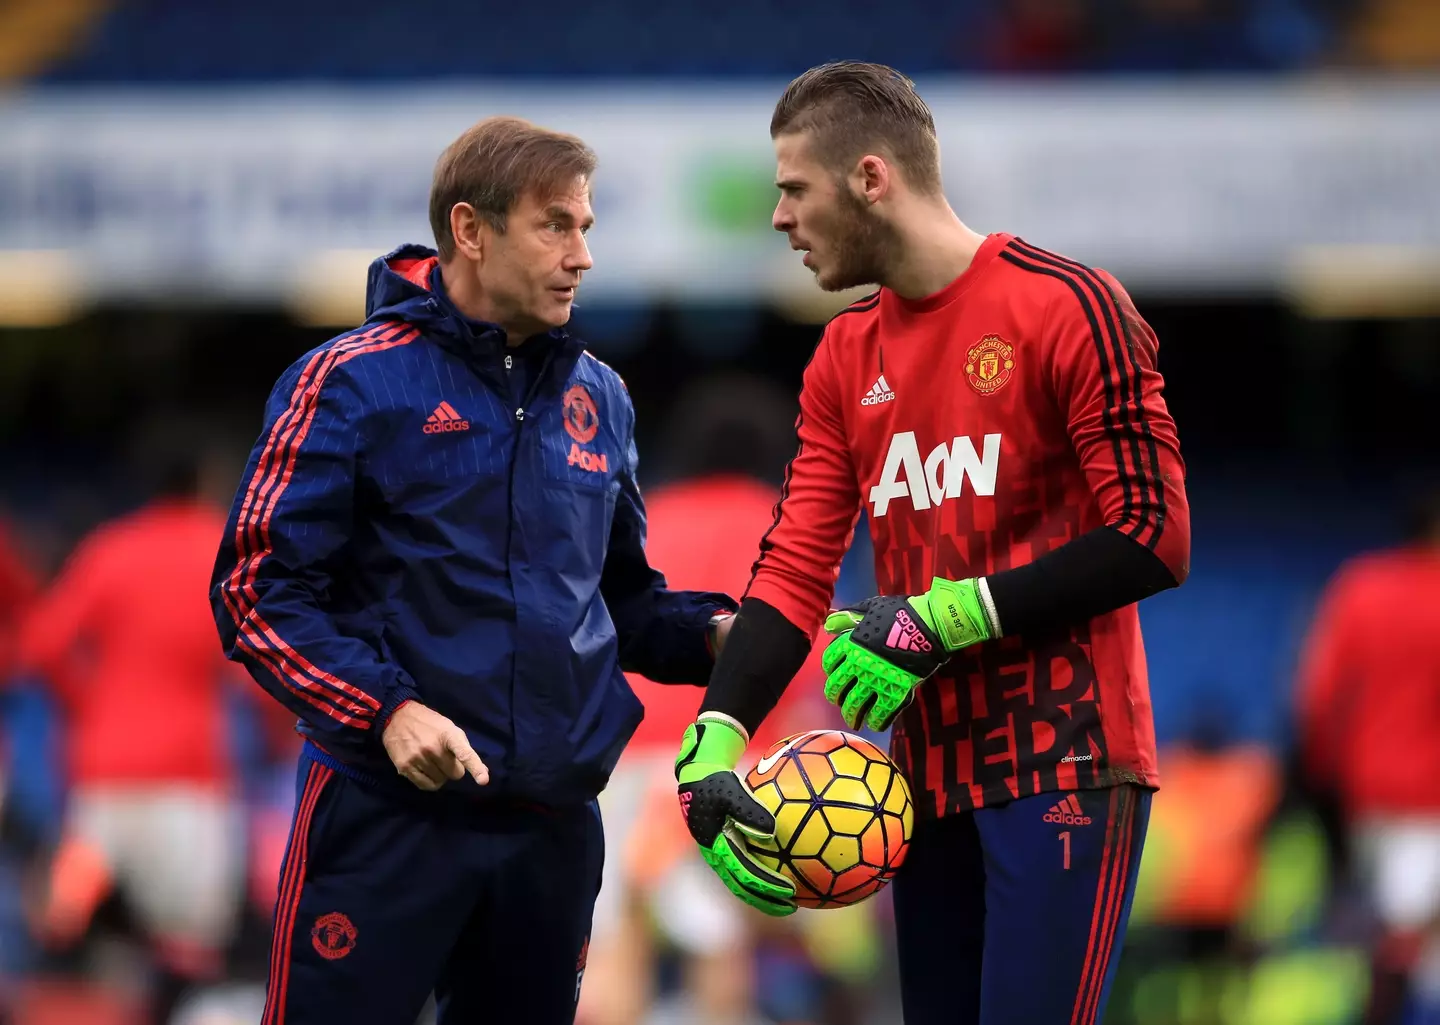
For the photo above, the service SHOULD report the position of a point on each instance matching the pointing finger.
(467, 758)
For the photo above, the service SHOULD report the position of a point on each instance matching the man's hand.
(720, 811)
(887, 645)
(718, 632)
(428, 749)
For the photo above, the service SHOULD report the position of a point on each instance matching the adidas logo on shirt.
(879, 392)
(1068, 813)
(444, 420)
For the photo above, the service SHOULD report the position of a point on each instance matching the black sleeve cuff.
(760, 658)
(1096, 573)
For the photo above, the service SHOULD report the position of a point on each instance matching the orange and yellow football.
(843, 816)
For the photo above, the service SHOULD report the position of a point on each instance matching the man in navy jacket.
(436, 560)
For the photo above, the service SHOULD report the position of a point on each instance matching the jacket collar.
(405, 284)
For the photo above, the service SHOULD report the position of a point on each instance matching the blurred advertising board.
(255, 195)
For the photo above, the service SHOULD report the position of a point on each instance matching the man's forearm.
(1096, 573)
(762, 654)
(665, 635)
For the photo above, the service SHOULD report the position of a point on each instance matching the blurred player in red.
(126, 637)
(1369, 704)
(996, 411)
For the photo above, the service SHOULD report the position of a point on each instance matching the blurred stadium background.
(190, 193)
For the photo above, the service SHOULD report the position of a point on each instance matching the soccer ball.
(843, 816)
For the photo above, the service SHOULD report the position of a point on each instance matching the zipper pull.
(519, 415)
(509, 361)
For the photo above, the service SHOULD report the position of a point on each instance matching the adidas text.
(879, 392)
(1067, 819)
(1068, 812)
(941, 475)
(905, 634)
(444, 420)
(445, 426)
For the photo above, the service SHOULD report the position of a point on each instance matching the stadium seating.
(154, 41)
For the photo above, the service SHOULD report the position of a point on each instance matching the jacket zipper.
(510, 544)
(535, 386)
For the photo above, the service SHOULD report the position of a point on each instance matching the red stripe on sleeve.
(241, 598)
(346, 703)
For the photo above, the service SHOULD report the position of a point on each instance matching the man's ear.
(469, 230)
(871, 178)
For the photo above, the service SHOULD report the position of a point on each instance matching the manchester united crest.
(989, 364)
(333, 936)
(581, 419)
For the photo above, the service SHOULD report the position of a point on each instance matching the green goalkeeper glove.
(887, 645)
(720, 811)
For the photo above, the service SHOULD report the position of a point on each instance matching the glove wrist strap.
(958, 610)
(722, 740)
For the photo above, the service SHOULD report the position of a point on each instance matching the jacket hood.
(398, 285)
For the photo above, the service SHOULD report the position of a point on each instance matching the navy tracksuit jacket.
(430, 515)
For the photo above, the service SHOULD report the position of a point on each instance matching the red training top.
(1369, 687)
(129, 623)
(979, 428)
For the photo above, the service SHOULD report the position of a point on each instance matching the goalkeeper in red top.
(996, 411)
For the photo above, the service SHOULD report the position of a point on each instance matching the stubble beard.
(864, 246)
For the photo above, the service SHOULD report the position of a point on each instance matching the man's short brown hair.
(850, 108)
(494, 164)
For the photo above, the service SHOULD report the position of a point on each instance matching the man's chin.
(840, 282)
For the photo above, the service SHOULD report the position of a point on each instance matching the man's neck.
(935, 248)
(466, 296)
